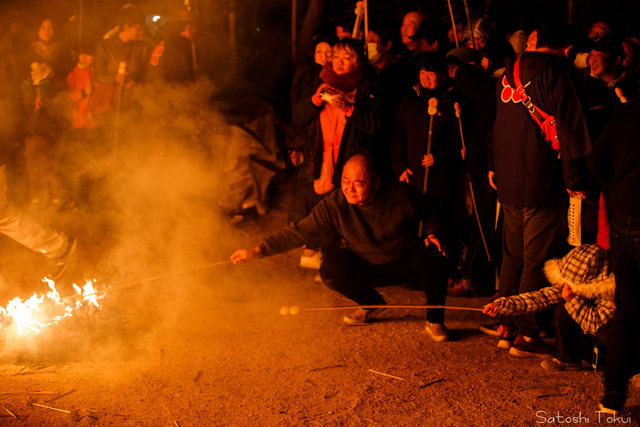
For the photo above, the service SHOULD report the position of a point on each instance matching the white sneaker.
(311, 261)
(438, 332)
(363, 316)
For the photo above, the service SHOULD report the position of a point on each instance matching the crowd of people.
(439, 157)
(56, 89)
(423, 158)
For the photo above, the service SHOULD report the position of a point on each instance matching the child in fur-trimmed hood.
(584, 280)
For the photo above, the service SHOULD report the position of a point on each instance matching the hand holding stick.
(433, 110)
(623, 99)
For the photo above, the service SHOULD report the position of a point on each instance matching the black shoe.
(62, 262)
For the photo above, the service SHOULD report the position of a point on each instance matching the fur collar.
(595, 289)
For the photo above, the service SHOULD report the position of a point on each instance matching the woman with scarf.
(343, 112)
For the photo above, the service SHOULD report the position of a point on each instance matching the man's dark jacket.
(615, 159)
(380, 233)
(528, 172)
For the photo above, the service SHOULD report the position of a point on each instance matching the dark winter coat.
(410, 136)
(482, 89)
(375, 232)
(356, 139)
(615, 159)
(528, 172)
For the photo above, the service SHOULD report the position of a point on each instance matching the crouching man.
(377, 225)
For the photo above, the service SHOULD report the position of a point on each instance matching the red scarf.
(345, 83)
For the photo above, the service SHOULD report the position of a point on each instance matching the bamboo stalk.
(29, 392)
(386, 375)
(62, 395)
(10, 413)
(53, 409)
(108, 413)
(352, 307)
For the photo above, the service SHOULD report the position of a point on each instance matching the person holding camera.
(343, 112)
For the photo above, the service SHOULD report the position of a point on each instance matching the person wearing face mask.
(391, 73)
(305, 75)
(342, 109)
(409, 141)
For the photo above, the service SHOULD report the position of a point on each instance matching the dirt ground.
(210, 348)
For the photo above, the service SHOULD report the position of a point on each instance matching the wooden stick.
(453, 22)
(10, 413)
(108, 413)
(176, 423)
(473, 197)
(53, 409)
(366, 22)
(391, 306)
(386, 375)
(29, 392)
(62, 395)
(150, 279)
(466, 9)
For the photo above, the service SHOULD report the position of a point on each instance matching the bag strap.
(538, 115)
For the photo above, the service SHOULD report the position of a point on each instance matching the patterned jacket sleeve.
(591, 313)
(530, 302)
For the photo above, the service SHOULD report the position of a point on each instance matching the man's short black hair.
(433, 61)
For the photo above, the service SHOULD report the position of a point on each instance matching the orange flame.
(29, 317)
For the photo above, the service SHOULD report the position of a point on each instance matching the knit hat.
(482, 29)
(586, 269)
(463, 55)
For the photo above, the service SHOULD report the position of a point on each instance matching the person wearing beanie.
(584, 280)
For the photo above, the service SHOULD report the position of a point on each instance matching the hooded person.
(482, 33)
(584, 280)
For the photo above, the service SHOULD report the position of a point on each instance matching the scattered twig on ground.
(29, 392)
(10, 413)
(324, 367)
(431, 382)
(108, 413)
(176, 423)
(386, 375)
(62, 395)
(53, 409)
(23, 368)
